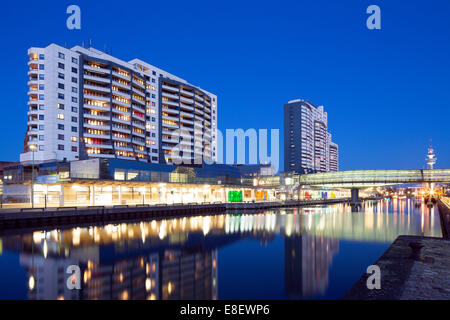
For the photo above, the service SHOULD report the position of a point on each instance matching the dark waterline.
(298, 253)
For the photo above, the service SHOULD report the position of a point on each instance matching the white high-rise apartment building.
(86, 103)
(307, 143)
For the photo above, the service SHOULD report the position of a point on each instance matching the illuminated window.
(74, 139)
(60, 116)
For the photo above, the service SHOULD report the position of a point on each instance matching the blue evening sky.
(386, 91)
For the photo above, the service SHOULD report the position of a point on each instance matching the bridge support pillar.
(355, 202)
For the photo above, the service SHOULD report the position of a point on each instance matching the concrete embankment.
(62, 216)
(444, 214)
(413, 268)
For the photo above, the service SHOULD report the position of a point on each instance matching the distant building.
(307, 143)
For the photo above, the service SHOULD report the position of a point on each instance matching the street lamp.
(33, 148)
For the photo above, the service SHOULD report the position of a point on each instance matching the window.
(153, 80)
(41, 97)
(41, 137)
(74, 129)
(74, 109)
(41, 57)
(74, 90)
(41, 87)
(41, 77)
(60, 96)
(61, 55)
(153, 135)
(60, 75)
(60, 65)
(60, 116)
(41, 67)
(60, 147)
(74, 80)
(60, 137)
(75, 100)
(74, 149)
(60, 106)
(74, 119)
(74, 139)
(60, 85)
(60, 126)
(155, 158)
(154, 73)
(153, 96)
(41, 117)
(155, 150)
(153, 104)
(41, 148)
(74, 60)
(41, 107)
(41, 127)
(74, 70)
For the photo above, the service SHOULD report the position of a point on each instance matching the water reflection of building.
(307, 260)
(171, 274)
(177, 258)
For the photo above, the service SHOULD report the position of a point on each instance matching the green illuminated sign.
(234, 196)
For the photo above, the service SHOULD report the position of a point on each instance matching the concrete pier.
(444, 214)
(413, 268)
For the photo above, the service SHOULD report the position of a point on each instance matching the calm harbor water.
(297, 253)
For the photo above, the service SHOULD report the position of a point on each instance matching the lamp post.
(33, 147)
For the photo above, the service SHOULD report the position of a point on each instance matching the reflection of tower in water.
(307, 263)
(171, 274)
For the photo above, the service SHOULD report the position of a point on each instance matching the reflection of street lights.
(33, 147)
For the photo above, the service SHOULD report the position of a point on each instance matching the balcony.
(123, 148)
(187, 121)
(171, 111)
(100, 70)
(188, 101)
(124, 104)
(121, 85)
(170, 88)
(187, 93)
(95, 107)
(96, 136)
(122, 139)
(95, 97)
(121, 76)
(98, 146)
(97, 88)
(95, 116)
(186, 107)
(122, 121)
(96, 78)
(170, 103)
(168, 95)
(95, 126)
(170, 118)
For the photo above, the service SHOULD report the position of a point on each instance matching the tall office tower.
(306, 139)
(86, 103)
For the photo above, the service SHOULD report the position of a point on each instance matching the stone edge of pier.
(405, 278)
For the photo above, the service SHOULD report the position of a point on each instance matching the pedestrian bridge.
(374, 178)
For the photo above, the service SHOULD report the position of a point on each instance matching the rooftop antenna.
(90, 42)
(83, 44)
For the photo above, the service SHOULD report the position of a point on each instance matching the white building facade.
(85, 103)
(307, 143)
